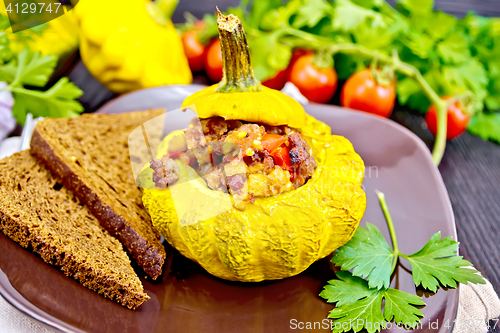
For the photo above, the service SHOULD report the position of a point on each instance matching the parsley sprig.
(367, 263)
(34, 70)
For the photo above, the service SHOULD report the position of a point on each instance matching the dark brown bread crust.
(135, 232)
(40, 215)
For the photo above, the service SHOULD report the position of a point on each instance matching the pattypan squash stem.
(385, 209)
(238, 73)
(308, 40)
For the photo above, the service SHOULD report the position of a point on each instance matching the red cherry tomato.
(271, 142)
(278, 81)
(316, 84)
(362, 92)
(457, 120)
(193, 49)
(283, 76)
(296, 54)
(213, 60)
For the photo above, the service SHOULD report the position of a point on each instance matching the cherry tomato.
(362, 92)
(271, 142)
(193, 49)
(278, 81)
(316, 84)
(282, 157)
(457, 120)
(213, 60)
(296, 54)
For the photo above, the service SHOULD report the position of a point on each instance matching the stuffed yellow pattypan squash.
(295, 189)
(129, 44)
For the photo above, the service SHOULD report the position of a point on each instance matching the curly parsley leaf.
(259, 9)
(30, 69)
(35, 70)
(360, 307)
(59, 101)
(349, 16)
(437, 263)
(347, 290)
(400, 306)
(311, 13)
(368, 255)
(454, 49)
(417, 7)
(486, 125)
(270, 57)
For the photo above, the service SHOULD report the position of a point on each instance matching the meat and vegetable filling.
(251, 160)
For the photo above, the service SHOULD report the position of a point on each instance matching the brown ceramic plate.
(187, 299)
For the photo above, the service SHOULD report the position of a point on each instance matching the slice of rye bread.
(90, 155)
(40, 214)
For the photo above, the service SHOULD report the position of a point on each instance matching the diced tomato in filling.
(271, 142)
(281, 157)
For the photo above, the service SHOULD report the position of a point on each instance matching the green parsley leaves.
(367, 263)
(368, 255)
(437, 263)
(359, 306)
(486, 125)
(27, 69)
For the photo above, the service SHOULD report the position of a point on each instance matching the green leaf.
(269, 55)
(454, 49)
(399, 306)
(59, 101)
(486, 125)
(349, 16)
(440, 24)
(420, 44)
(362, 304)
(5, 51)
(311, 13)
(406, 88)
(370, 3)
(280, 16)
(437, 263)
(8, 71)
(379, 38)
(32, 69)
(469, 76)
(360, 307)
(417, 7)
(368, 255)
(493, 99)
(259, 9)
(347, 290)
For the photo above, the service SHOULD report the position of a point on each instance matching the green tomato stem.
(385, 209)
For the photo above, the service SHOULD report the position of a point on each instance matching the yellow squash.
(127, 45)
(274, 237)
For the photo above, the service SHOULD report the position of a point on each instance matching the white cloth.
(14, 321)
(477, 305)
